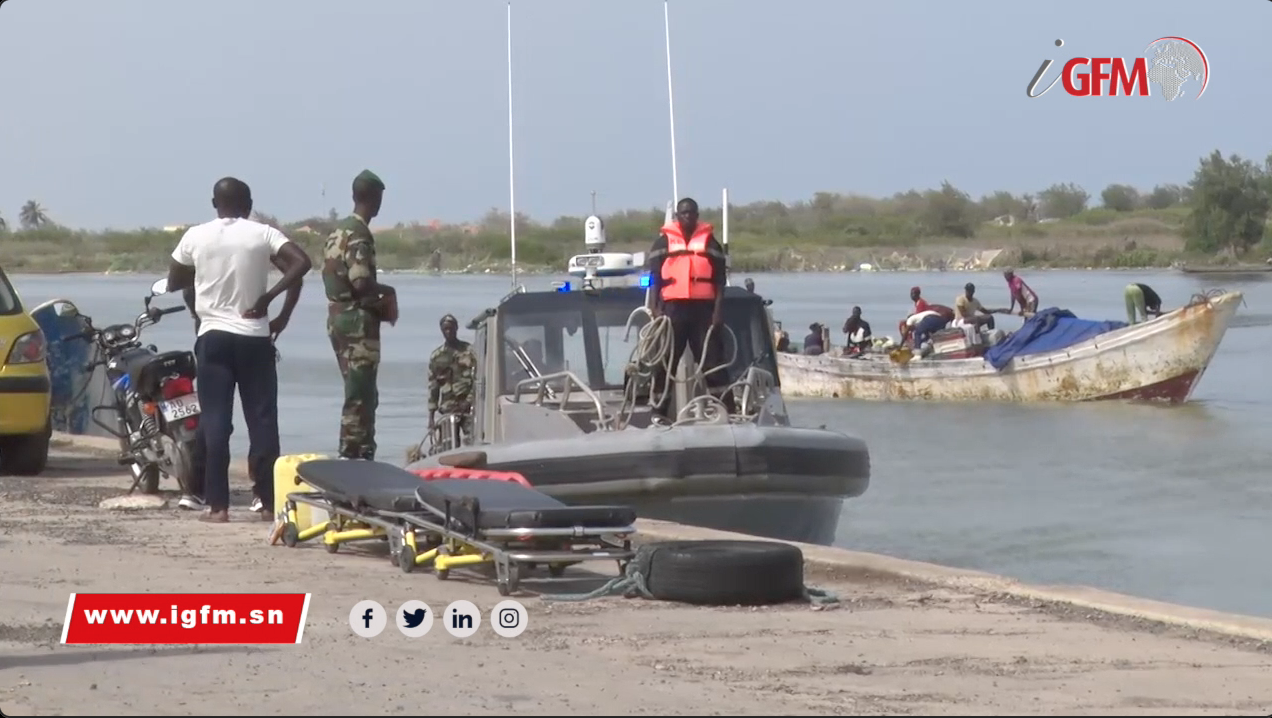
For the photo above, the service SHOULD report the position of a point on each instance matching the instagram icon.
(509, 618)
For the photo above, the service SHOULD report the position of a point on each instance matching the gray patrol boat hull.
(769, 481)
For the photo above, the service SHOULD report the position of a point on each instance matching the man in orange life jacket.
(687, 280)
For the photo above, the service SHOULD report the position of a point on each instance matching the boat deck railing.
(571, 383)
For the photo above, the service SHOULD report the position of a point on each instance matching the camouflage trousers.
(358, 356)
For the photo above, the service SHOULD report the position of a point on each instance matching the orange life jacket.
(686, 272)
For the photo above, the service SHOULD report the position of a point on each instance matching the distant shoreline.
(734, 273)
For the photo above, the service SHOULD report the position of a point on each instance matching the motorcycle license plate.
(182, 407)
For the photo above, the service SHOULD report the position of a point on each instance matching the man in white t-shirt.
(228, 261)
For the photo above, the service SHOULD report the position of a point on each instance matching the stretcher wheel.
(331, 547)
(510, 586)
(291, 535)
(442, 574)
(406, 559)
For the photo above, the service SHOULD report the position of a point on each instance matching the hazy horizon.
(125, 113)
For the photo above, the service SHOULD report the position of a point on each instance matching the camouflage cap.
(370, 178)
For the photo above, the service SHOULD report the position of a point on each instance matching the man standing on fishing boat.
(1141, 301)
(356, 305)
(1021, 294)
(687, 282)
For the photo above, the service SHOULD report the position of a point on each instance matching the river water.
(1172, 503)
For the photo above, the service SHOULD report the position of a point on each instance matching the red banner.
(185, 618)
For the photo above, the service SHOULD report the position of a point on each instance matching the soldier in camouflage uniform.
(356, 305)
(452, 373)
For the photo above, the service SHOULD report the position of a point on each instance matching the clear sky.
(124, 112)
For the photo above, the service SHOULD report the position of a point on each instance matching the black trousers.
(690, 319)
(200, 459)
(227, 360)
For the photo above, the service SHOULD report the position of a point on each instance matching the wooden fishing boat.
(1227, 271)
(1053, 357)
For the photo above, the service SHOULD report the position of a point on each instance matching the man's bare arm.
(293, 292)
(295, 264)
(180, 276)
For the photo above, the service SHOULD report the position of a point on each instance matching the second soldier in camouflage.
(452, 374)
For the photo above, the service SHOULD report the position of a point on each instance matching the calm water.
(1172, 503)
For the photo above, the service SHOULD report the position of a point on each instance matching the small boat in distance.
(1234, 271)
(1053, 357)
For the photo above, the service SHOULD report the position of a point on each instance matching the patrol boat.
(565, 379)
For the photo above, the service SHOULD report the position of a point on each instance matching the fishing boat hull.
(1160, 360)
(1237, 271)
(770, 481)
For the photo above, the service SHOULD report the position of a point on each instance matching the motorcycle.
(155, 408)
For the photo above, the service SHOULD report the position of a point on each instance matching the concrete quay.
(907, 637)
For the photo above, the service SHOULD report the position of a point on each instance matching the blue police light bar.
(644, 281)
(563, 287)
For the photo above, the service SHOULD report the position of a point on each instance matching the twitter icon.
(415, 619)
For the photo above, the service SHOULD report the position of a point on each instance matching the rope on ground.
(629, 585)
(819, 597)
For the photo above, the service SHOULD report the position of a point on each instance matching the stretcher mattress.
(362, 484)
(474, 504)
(480, 504)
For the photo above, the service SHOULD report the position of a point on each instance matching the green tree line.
(1220, 215)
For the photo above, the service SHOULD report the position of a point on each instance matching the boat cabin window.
(542, 343)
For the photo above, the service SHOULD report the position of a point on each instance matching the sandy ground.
(889, 648)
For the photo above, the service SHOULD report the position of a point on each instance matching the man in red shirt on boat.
(920, 304)
(687, 281)
(1021, 294)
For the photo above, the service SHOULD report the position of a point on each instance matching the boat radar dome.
(594, 234)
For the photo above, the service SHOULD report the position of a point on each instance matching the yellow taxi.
(25, 388)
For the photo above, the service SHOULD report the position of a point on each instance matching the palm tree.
(32, 215)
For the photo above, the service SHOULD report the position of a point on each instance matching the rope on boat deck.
(654, 350)
(1209, 294)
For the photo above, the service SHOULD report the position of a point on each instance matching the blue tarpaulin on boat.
(1048, 330)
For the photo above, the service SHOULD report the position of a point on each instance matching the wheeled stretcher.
(447, 518)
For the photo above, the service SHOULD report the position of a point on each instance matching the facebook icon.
(367, 619)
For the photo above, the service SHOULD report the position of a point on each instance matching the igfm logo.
(1170, 63)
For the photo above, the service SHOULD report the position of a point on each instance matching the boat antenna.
(671, 106)
(724, 232)
(512, 195)
(593, 202)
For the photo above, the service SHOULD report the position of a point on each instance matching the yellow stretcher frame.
(443, 549)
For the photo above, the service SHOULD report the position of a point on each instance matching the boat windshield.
(548, 332)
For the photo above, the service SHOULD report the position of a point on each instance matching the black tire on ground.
(26, 455)
(723, 573)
